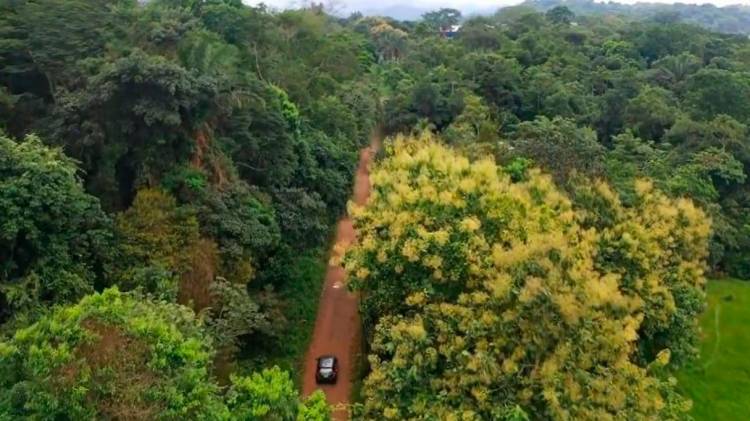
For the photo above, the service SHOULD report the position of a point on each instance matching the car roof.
(326, 361)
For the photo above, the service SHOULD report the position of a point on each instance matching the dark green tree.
(55, 240)
(560, 14)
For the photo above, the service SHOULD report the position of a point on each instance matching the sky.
(463, 4)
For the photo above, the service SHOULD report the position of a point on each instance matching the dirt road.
(337, 327)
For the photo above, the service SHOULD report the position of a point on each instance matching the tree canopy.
(55, 240)
(489, 298)
(118, 356)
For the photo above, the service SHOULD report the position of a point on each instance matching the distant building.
(450, 31)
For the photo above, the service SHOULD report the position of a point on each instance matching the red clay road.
(337, 327)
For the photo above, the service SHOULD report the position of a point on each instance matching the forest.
(733, 19)
(553, 217)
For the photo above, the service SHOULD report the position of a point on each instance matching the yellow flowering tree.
(490, 299)
(658, 247)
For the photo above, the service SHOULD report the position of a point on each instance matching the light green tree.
(122, 356)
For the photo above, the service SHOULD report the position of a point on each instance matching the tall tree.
(55, 240)
(442, 19)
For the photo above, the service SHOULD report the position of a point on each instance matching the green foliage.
(299, 287)
(442, 19)
(560, 14)
(138, 113)
(42, 41)
(111, 355)
(245, 226)
(251, 121)
(390, 42)
(270, 395)
(222, 137)
(496, 78)
(651, 113)
(119, 355)
(672, 70)
(559, 146)
(55, 240)
(234, 314)
(433, 96)
(185, 180)
(473, 124)
(728, 19)
(303, 217)
(715, 91)
(518, 169)
(678, 90)
(153, 236)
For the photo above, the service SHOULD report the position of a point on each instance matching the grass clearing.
(719, 381)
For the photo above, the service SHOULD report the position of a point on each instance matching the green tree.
(55, 240)
(651, 113)
(442, 18)
(156, 236)
(711, 92)
(496, 78)
(559, 146)
(673, 70)
(473, 124)
(390, 42)
(271, 396)
(245, 226)
(117, 355)
(136, 119)
(560, 14)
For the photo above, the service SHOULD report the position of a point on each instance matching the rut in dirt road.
(337, 327)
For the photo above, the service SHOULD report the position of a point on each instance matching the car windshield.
(326, 362)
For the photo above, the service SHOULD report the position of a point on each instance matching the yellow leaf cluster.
(485, 294)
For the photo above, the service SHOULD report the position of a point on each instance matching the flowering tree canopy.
(494, 299)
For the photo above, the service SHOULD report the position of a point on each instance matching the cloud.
(413, 9)
(464, 4)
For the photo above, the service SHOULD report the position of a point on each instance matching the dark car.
(328, 369)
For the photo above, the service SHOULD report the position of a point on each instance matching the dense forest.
(734, 19)
(195, 153)
(552, 196)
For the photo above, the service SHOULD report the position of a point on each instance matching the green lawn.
(719, 382)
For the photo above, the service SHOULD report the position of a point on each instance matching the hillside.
(728, 19)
